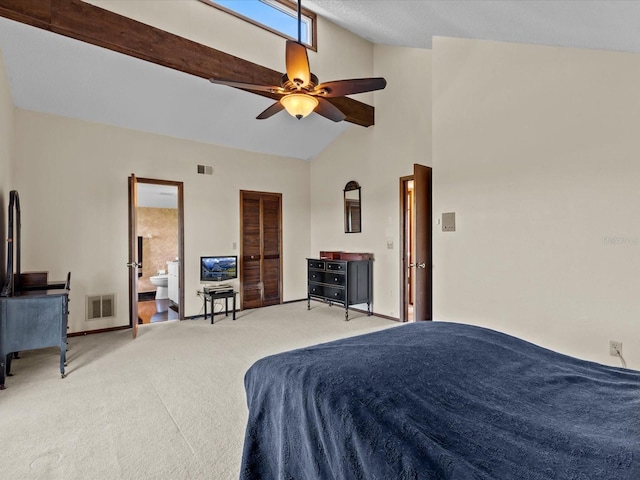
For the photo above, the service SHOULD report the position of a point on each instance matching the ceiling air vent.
(101, 306)
(205, 169)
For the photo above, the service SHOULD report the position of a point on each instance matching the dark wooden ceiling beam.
(88, 23)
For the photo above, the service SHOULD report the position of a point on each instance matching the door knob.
(422, 265)
(134, 264)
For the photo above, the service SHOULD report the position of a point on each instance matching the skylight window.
(277, 16)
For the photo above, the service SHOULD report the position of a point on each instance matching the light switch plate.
(449, 222)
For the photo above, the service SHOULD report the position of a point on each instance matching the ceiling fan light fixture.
(299, 105)
(300, 92)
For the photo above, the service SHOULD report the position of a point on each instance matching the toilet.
(162, 283)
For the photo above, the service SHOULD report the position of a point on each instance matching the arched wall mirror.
(352, 211)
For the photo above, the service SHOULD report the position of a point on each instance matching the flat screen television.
(218, 268)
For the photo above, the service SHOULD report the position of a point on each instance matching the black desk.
(213, 295)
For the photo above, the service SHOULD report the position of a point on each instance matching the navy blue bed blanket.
(438, 400)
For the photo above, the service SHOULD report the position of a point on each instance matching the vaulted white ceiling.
(54, 74)
(593, 24)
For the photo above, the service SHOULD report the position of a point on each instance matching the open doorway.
(159, 234)
(416, 289)
(408, 248)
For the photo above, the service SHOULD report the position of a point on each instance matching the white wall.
(536, 151)
(6, 155)
(72, 178)
(376, 158)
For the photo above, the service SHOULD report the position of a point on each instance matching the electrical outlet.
(615, 348)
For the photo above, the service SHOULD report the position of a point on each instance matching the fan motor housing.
(290, 86)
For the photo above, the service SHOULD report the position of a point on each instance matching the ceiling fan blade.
(248, 86)
(297, 64)
(329, 110)
(340, 88)
(272, 110)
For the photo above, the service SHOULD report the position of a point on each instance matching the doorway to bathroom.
(159, 231)
(416, 284)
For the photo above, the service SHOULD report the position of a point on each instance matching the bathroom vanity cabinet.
(173, 285)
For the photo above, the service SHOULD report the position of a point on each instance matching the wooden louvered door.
(261, 249)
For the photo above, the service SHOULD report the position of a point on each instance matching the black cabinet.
(30, 321)
(347, 282)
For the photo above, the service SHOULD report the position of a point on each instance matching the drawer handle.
(335, 279)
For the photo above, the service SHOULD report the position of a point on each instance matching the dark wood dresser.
(347, 282)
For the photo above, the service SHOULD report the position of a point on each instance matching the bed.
(438, 400)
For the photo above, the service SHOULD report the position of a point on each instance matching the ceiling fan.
(299, 90)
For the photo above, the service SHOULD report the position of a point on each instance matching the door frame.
(404, 251)
(132, 265)
(133, 234)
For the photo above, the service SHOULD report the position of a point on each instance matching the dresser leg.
(346, 314)
(3, 369)
(308, 303)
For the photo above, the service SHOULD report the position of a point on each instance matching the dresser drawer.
(315, 276)
(316, 264)
(317, 290)
(335, 278)
(337, 266)
(333, 293)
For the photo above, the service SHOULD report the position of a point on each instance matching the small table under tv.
(209, 294)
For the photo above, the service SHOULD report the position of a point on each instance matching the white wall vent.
(101, 306)
(205, 169)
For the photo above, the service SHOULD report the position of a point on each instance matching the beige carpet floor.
(168, 405)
